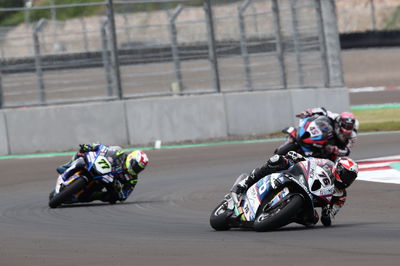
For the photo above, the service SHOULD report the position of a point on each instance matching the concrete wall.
(170, 119)
(176, 118)
(60, 128)
(264, 112)
(3, 135)
(258, 112)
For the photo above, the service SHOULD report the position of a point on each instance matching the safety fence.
(178, 50)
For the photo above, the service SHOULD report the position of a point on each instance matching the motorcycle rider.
(342, 173)
(126, 166)
(345, 127)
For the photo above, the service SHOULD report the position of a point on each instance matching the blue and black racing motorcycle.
(92, 172)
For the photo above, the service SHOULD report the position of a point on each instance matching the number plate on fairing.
(256, 193)
(102, 165)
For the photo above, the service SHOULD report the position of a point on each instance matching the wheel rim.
(273, 211)
(220, 210)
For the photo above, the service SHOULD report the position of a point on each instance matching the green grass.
(62, 14)
(15, 18)
(378, 119)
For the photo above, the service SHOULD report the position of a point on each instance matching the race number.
(314, 130)
(102, 165)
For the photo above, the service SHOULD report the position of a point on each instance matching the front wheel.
(219, 219)
(279, 215)
(67, 193)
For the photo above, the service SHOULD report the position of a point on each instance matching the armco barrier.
(176, 118)
(61, 128)
(169, 119)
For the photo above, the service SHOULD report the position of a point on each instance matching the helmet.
(135, 162)
(347, 123)
(345, 172)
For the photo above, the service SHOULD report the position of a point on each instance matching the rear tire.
(67, 193)
(219, 219)
(279, 215)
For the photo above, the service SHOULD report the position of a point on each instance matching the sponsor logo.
(301, 185)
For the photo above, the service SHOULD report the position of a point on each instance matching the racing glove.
(306, 113)
(85, 148)
(295, 157)
(332, 149)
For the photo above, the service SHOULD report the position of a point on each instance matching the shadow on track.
(102, 204)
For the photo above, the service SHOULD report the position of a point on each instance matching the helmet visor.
(136, 167)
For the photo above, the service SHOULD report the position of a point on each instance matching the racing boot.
(326, 217)
(62, 168)
(103, 196)
(306, 220)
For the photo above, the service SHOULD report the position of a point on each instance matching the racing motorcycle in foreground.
(276, 200)
(309, 138)
(92, 172)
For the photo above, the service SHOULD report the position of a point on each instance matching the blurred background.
(65, 51)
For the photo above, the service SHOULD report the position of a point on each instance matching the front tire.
(219, 219)
(279, 215)
(67, 193)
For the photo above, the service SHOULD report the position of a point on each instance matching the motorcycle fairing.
(321, 187)
(313, 132)
(256, 193)
(61, 182)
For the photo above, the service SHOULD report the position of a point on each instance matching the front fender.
(63, 183)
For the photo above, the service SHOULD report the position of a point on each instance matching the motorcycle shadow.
(295, 228)
(103, 204)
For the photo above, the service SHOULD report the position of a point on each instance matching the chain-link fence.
(182, 49)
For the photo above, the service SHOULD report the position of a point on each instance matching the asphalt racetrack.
(166, 220)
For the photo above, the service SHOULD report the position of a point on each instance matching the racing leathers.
(279, 163)
(340, 145)
(121, 182)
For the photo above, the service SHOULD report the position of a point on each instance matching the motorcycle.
(276, 200)
(92, 171)
(309, 138)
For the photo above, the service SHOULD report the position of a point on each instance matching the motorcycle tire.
(67, 193)
(219, 219)
(285, 148)
(279, 215)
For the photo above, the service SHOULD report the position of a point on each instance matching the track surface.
(165, 222)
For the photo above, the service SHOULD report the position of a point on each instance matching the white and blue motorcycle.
(276, 200)
(92, 172)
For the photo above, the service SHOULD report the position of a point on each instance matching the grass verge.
(378, 119)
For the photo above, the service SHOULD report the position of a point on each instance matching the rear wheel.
(219, 219)
(279, 215)
(67, 193)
